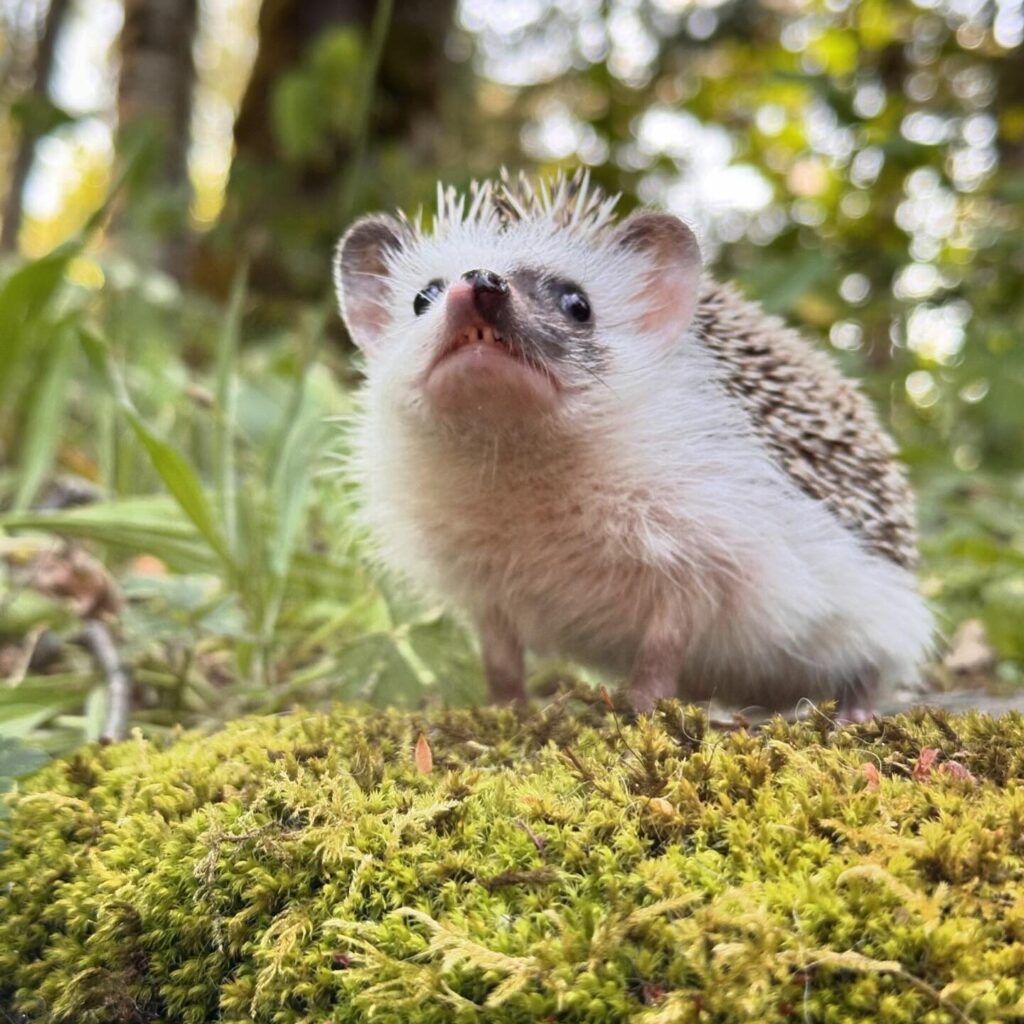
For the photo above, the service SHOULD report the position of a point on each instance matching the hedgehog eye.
(574, 303)
(427, 296)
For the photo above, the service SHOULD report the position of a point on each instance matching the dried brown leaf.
(423, 757)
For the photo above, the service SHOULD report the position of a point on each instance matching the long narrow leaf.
(45, 418)
(292, 472)
(23, 297)
(292, 469)
(151, 525)
(20, 719)
(177, 473)
(225, 420)
(183, 483)
(290, 489)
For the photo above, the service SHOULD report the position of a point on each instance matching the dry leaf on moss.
(423, 757)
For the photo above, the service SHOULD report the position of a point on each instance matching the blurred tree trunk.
(32, 123)
(284, 211)
(1010, 97)
(154, 105)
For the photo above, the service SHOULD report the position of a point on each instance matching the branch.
(119, 685)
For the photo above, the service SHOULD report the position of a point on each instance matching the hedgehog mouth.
(483, 335)
(477, 363)
(485, 340)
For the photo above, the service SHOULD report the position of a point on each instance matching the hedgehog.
(592, 450)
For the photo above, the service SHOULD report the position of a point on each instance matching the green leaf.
(18, 720)
(443, 645)
(779, 284)
(373, 668)
(25, 609)
(290, 490)
(45, 418)
(95, 712)
(16, 760)
(39, 115)
(183, 483)
(177, 474)
(225, 425)
(60, 690)
(291, 475)
(23, 298)
(297, 116)
(153, 525)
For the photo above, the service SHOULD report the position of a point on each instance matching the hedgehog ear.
(670, 290)
(362, 276)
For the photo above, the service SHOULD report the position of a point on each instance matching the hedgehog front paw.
(857, 698)
(645, 691)
(503, 658)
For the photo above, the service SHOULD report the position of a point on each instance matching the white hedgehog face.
(489, 322)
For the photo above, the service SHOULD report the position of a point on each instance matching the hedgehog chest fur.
(557, 546)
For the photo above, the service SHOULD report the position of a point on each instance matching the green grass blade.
(225, 421)
(292, 469)
(45, 419)
(23, 298)
(290, 490)
(150, 525)
(291, 473)
(177, 474)
(17, 720)
(183, 483)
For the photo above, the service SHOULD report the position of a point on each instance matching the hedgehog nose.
(489, 291)
(486, 281)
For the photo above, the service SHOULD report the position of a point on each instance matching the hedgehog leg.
(658, 664)
(857, 696)
(503, 658)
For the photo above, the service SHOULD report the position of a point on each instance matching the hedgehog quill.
(595, 451)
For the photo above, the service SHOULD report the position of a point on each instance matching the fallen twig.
(119, 685)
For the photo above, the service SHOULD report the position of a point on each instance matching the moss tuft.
(561, 864)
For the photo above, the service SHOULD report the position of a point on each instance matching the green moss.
(557, 865)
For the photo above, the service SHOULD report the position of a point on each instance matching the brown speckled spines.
(819, 428)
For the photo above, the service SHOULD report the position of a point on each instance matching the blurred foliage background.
(175, 172)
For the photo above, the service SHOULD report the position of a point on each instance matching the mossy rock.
(561, 864)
